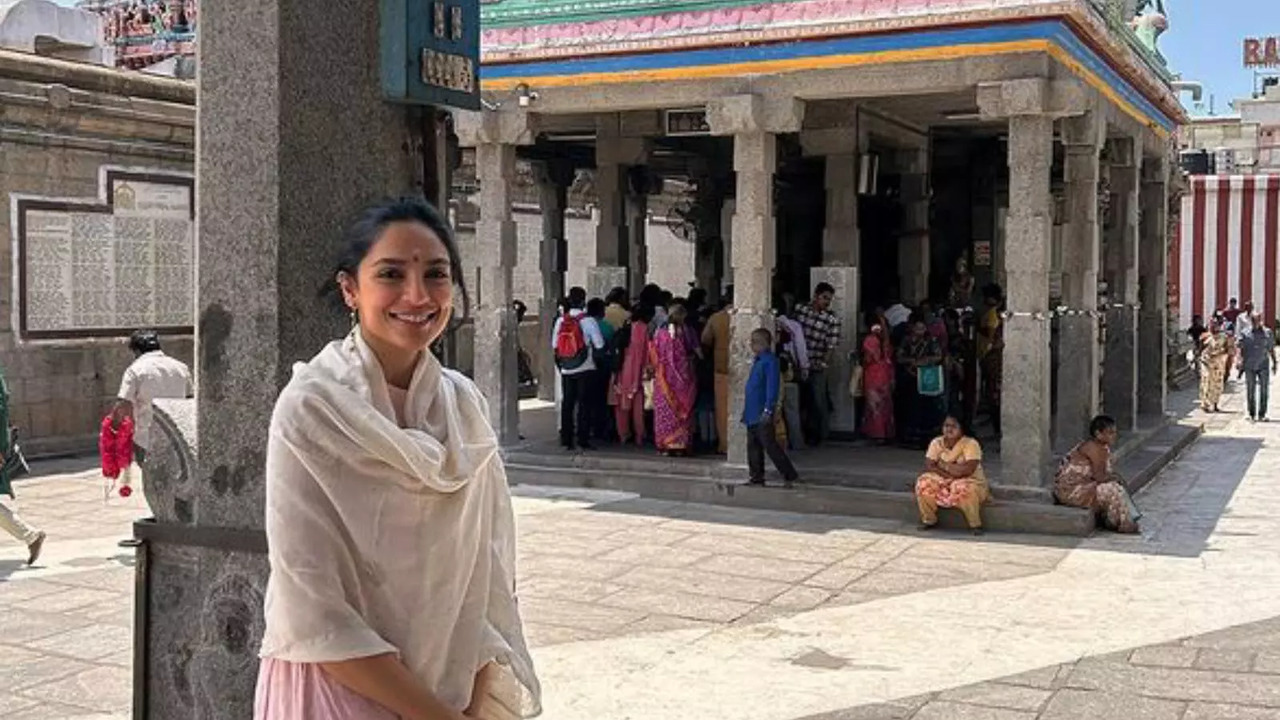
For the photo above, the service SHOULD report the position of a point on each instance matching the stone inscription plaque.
(104, 269)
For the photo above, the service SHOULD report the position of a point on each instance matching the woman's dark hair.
(650, 295)
(361, 236)
(1100, 424)
(595, 308)
(617, 296)
(993, 291)
(642, 313)
(144, 341)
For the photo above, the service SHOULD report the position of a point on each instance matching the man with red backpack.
(575, 341)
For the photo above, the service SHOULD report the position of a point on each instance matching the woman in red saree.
(675, 384)
(877, 385)
(628, 383)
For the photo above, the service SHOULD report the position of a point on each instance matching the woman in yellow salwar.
(953, 477)
(1215, 350)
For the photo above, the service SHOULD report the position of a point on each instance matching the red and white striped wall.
(1229, 245)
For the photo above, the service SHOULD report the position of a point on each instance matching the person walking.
(575, 341)
(762, 398)
(152, 375)
(389, 524)
(1214, 354)
(1258, 363)
(11, 461)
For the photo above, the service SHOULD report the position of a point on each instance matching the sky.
(1205, 42)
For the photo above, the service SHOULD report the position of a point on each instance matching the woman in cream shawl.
(392, 590)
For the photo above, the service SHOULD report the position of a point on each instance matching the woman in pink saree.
(877, 386)
(628, 383)
(675, 384)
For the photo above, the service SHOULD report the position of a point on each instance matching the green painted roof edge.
(544, 12)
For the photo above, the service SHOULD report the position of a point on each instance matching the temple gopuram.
(158, 36)
(874, 145)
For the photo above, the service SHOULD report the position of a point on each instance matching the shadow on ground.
(1222, 675)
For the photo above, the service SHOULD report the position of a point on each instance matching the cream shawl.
(384, 539)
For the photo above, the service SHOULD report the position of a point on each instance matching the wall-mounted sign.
(431, 52)
(982, 253)
(102, 268)
(686, 122)
(1262, 52)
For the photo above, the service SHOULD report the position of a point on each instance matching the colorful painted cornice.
(621, 40)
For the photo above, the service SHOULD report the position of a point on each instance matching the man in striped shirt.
(821, 336)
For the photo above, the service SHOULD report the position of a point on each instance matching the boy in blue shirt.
(762, 390)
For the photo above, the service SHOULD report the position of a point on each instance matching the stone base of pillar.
(1024, 406)
(1078, 357)
(1120, 367)
(1153, 379)
(495, 370)
(741, 325)
(845, 306)
(547, 370)
(603, 278)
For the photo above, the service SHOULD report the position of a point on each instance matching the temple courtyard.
(648, 610)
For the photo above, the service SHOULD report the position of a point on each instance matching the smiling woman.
(385, 601)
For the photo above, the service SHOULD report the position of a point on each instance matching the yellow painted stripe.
(835, 61)
(1105, 88)
(770, 66)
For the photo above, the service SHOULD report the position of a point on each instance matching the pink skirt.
(302, 691)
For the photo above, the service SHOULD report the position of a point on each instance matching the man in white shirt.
(152, 375)
(576, 377)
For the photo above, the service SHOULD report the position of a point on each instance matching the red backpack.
(571, 345)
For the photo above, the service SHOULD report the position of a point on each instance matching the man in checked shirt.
(821, 336)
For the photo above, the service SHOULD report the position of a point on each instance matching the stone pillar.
(1024, 448)
(913, 244)
(269, 217)
(609, 270)
(637, 242)
(495, 321)
(1078, 350)
(554, 179)
(841, 252)
(1153, 317)
(615, 153)
(755, 160)
(495, 136)
(1120, 363)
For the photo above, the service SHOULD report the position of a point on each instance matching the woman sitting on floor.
(953, 477)
(1086, 480)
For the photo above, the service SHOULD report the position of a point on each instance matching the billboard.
(1262, 52)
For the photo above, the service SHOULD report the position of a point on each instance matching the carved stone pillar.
(1153, 318)
(554, 179)
(1078, 351)
(1025, 416)
(1120, 364)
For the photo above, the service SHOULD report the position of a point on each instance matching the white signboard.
(87, 269)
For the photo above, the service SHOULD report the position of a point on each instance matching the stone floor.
(648, 610)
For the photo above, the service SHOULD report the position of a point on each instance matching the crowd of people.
(654, 369)
(1236, 338)
(135, 18)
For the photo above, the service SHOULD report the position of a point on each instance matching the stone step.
(851, 492)
(1141, 464)
(1001, 515)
